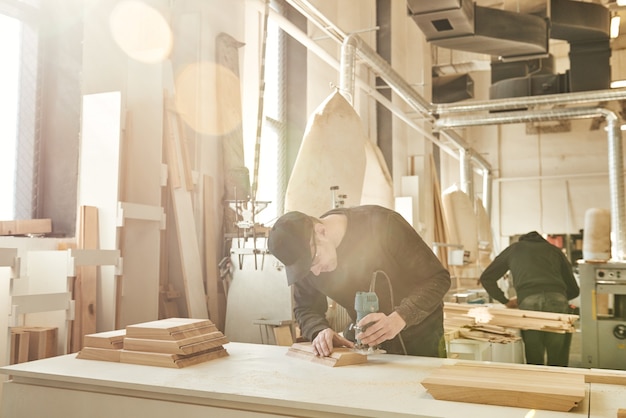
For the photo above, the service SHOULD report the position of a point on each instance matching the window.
(271, 166)
(18, 106)
(10, 30)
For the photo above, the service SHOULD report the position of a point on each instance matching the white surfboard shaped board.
(461, 221)
(377, 186)
(485, 237)
(334, 152)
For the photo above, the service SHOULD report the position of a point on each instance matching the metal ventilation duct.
(519, 42)
(460, 24)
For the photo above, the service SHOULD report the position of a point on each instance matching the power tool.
(364, 303)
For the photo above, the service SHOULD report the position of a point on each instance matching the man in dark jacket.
(543, 281)
(345, 251)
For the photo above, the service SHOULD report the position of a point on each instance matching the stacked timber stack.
(104, 346)
(172, 342)
(32, 343)
(495, 320)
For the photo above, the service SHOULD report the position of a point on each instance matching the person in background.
(544, 281)
(344, 252)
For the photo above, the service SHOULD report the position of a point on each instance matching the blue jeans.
(541, 347)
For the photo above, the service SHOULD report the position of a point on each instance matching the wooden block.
(102, 354)
(171, 360)
(19, 346)
(341, 356)
(283, 336)
(170, 329)
(26, 226)
(42, 341)
(105, 340)
(189, 345)
(621, 413)
(530, 389)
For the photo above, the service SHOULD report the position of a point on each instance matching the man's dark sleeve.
(309, 309)
(430, 281)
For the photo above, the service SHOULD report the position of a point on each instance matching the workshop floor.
(575, 357)
(575, 352)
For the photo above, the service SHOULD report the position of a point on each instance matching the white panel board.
(98, 184)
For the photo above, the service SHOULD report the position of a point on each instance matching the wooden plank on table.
(341, 356)
(171, 360)
(102, 354)
(170, 329)
(605, 376)
(106, 340)
(26, 226)
(495, 386)
(189, 345)
(621, 413)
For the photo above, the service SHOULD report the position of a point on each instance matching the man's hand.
(512, 303)
(381, 328)
(327, 339)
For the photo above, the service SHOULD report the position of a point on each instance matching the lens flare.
(140, 31)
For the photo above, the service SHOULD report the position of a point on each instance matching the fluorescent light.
(621, 2)
(615, 21)
(618, 84)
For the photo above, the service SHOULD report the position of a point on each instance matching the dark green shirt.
(376, 239)
(536, 266)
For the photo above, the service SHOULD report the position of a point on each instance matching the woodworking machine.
(603, 314)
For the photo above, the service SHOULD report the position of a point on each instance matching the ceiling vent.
(519, 42)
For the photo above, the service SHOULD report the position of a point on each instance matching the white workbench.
(253, 381)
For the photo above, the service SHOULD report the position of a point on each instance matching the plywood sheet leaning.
(341, 356)
(334, 152)
(183, 214)
(461, 221)
(530, 389)
(85, 291)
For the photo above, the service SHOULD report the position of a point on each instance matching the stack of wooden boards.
(491, 324)
(172, 342)
(501, 385)
(341, 356)
(32, 343)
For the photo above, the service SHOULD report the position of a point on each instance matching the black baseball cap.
(290, 242)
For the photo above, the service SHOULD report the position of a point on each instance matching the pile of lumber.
(32, 343)
(172, 342)
(341, 356)
(531, 389)
(485, 318)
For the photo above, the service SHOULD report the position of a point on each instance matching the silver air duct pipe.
(531, 101)
(614, 136)
(352, 46)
